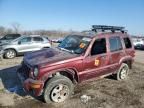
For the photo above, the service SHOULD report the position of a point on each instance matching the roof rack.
(104, 28)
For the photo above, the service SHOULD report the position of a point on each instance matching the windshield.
(75, 44)
(10, 37)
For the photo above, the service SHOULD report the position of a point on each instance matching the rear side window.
(127, 42)
(115, 44)
(99, 47)
(37, 39)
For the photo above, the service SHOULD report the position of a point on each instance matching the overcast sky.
(73, 14)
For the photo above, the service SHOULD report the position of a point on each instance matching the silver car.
(24, 44)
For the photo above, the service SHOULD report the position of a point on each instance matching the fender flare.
(126, 60)
(70, 71)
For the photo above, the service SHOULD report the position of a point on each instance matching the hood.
(45, 56)
(4, 41)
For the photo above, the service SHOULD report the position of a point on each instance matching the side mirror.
(59, 41)
(19, 42)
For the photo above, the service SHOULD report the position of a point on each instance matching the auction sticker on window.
(82, 45)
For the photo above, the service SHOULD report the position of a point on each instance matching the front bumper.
(1, 54)
(30, 85)
(141, 47)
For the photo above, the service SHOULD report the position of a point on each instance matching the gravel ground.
(103, 93)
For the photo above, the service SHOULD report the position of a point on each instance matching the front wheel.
(10, 53)
(122, 72)
(58, 89)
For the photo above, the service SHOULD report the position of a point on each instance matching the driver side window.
(25, 40)
(99, 47)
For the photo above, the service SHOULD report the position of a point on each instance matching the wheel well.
(129, 63)
(46, 47)
(72, 77)
(11, 49)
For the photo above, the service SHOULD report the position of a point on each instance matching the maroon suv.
(53, 72)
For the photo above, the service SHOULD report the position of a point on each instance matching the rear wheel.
(122, 72)
(10, 53)
(58, 89)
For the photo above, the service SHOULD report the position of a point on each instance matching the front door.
(96, 64)
(24, 45)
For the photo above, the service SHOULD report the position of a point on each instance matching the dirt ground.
(139, 56)
(103, 93)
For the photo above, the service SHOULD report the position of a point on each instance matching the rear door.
(37, 43)
(96, 63)
(116, 52)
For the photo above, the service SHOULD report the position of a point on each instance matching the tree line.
(16, 28)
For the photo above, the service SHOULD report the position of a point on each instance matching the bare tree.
(16, 27)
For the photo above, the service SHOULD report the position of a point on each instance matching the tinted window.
(37, 39)
(25, 40)
(115, 44)
(127, 43)
(99, 47)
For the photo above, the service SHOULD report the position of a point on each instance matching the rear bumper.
(30, 85)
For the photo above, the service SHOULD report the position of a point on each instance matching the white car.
(138, 43)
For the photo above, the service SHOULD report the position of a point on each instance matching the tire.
(45, 47)
(122, 72)
(58, 89)
(10, 53)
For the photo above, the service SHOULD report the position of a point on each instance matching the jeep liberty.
(53, 72)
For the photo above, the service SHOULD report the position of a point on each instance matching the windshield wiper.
(63, 49)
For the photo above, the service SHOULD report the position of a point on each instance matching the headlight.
(35, 72)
